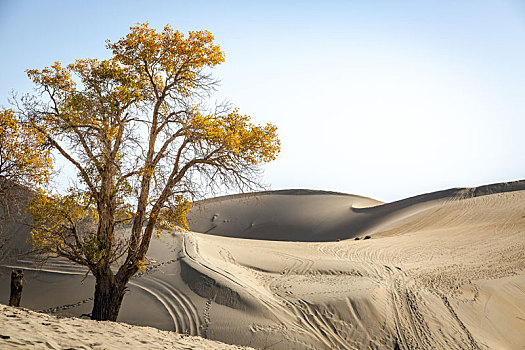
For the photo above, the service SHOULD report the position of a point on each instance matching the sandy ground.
(444, 270)
(25, 329)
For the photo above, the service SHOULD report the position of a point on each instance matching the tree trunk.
(16, 287)
(108, 297)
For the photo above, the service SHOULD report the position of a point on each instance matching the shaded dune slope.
(316, 216)
(288, 215)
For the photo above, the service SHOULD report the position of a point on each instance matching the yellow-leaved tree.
(136, 129)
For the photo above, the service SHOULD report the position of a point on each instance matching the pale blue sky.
(385, 99)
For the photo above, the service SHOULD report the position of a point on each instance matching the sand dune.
(288, 215)
(444, 270)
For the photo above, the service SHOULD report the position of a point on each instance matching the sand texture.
(443, 270)
(25, 329)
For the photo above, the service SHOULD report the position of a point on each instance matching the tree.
(136, 129)
(25, 160)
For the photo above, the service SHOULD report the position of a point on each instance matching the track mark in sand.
(187, 311)
(170, 307)
(286, 333)
(357, 318)
(182, 312)
(38, 269)
(154, 267)
(228, 257)
(207, 318)
(411, 328)
(300, 265)
(319, 326)
(473, 344)
(372, 261)
(420, 327)
(406, 342)
(54, 309)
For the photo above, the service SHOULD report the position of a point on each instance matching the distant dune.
(315, 216)
(284, 270)
(286, 215)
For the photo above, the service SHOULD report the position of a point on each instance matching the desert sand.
(284, 270)
(32, 330)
